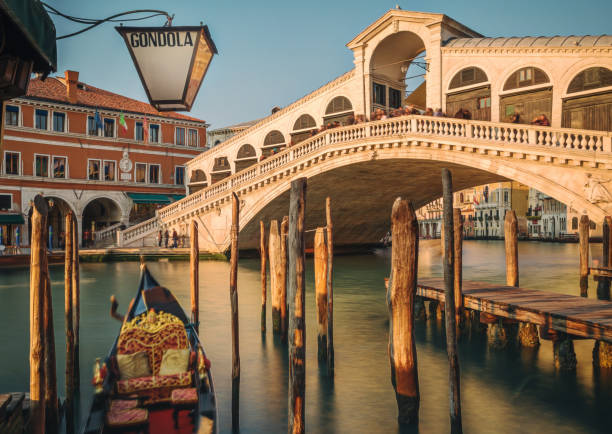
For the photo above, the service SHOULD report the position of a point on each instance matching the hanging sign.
(171, 62)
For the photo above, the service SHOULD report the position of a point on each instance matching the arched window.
(339, 110)
(338, 104)
(304, 122)
(524, 77)
(588, 105)
(197, 176)
(221, 164)
(246, 151)
(246, 157)
(591, 78)
(273, 143)
(468, 77)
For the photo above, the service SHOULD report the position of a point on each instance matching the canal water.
(502, 391)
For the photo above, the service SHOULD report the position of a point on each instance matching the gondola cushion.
(126, 418)
(135, 385)
(185, 396)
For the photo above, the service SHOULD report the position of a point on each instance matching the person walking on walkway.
(160, 237)
(166, 236)
(174, 239)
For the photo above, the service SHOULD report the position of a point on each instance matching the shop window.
(179, 175)
(379, 91)
(574, 223)
(59, 122)
(592, 225)
(395, 98)
(193, 138)
(6, 202)
(141, 172)
(138, 132)
(59, 167)
(11, 163)
(154, 174)
(11, 115)
(40, 119)
(109, 170)
(41, 165)
(484, 102)
(93, 170)
(154, 133)
(109, 128)
(179, 138)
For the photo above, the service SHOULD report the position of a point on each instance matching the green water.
(502, 391)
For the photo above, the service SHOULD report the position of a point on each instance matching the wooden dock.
(574, 315)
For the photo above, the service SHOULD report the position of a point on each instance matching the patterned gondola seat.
(153, 333)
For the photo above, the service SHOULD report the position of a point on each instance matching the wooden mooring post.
(76, 302)
(449, 301)
(275, 274)
(330, 286)
(602, 351)
(458, 269)
(69, 404)
(583, 233)
(38, 281)
(234, 307)
(194, 269)
(282, 277)
(320, 266)
(401, 292)
(51, 404)
(263, 257)
(297, 318)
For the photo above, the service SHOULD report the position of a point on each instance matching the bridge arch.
(407, 170)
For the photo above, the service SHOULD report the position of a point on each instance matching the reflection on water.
(508, 392)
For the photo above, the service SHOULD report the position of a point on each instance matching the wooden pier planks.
(578, 316)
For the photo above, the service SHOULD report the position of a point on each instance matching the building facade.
(492, 201)
(109, 159)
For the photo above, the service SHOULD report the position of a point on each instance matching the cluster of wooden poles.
(44, 411)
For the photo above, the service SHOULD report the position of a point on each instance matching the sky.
(273, 52)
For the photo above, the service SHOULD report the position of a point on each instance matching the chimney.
(72, 78)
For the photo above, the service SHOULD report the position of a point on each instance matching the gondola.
(170, 399)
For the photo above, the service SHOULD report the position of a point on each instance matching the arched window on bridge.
(273, 143)
(221, 169)
(535, 100)
(340, 110)
(470, 89)
(246, 157)
(303, 129)
(589, 100)
(197, 181)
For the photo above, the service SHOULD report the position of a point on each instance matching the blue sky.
(272, 52)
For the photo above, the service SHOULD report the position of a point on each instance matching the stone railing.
(138, 231)
(584, 141)
(107, 234)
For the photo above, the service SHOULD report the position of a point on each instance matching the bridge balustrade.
(504, 133)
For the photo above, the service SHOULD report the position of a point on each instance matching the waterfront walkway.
(574, 315)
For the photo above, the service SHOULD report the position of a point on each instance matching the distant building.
(65, 139)
(491, 202)
(220, 135)
(430, 215)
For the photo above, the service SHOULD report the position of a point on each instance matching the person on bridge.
(174, 239)
(160, 237)
(439, 113)
(515, 118)
(541, 120)
(166, 236)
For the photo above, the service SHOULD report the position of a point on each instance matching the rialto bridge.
(364, 166)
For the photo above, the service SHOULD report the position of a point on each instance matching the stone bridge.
(364, 167)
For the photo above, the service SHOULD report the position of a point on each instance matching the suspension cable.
(113, 18)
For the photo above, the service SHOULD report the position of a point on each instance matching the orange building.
(109, 159)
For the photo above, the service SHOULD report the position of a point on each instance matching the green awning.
(176, 197)
(30, 33)
(149, 198)
(11, 219)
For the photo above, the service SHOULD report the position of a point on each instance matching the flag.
(145, 129)
(98, 121)
(122, 123)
